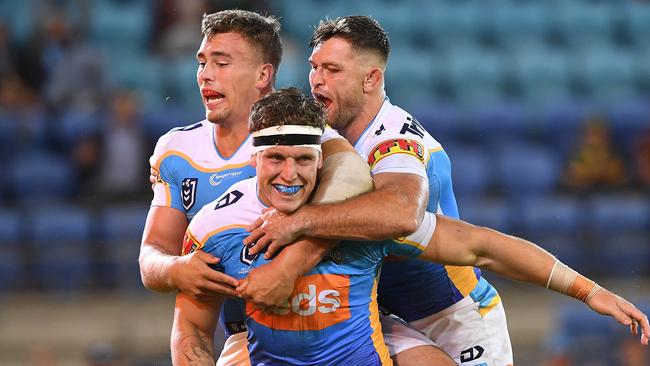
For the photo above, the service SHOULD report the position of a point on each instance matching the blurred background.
(541, 105)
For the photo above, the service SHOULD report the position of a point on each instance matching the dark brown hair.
(362, 32)
(288, 106)
(263, 32)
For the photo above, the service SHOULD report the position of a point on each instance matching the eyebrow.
(214, 54)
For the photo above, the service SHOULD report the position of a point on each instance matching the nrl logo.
(188, 192)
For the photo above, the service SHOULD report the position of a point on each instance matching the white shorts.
(399, 336)
(467, 336)
(235, 351)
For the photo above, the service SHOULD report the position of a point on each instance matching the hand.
(274, 230)
(192, 275)
(607, 303)
(267, 287)
(154, 177)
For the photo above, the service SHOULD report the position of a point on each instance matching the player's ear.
(320, 160)
(374, 79)
(264, 76)
(253, 160)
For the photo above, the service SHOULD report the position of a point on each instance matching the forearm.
(192, 350)
(386, 213)
(192, 338)
(156, 266)
(299, 258)
(514, 258)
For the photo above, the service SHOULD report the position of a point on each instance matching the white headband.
(287, 135)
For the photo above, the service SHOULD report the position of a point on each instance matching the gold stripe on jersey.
(377, 336)
(195, 165)
(431, 151)
(463, 278)
(404, 240)
(486, 309)
(222, 229)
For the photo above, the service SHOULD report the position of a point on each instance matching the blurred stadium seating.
(505, 86)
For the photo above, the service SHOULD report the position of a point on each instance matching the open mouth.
(212, 97)
(323, 99)
(287, 190)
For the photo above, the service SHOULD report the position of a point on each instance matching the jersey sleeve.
(398, 155)
(166, 191)
(413, 245)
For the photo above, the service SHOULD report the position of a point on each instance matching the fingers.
(212, 288)
(207, 257)
(273, 247)
(256, 224)
(260, 244)
(254, 236)
(221, 278)
(635, 318)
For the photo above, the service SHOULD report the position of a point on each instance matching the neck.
(228, 138)
(371, 108)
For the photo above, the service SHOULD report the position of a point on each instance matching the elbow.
(406, 224)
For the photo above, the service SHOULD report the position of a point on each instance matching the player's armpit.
(192, 340)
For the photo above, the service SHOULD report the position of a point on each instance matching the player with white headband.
(331, 316)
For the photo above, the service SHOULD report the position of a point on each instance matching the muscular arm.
(400, 196)
(459, 243)
(161, 267)
(192, 340)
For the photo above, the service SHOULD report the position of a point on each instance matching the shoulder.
(235, 209)
(181, 140)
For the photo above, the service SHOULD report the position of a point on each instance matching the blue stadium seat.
(608, 73)
(61, 257)
(619, 213)
(636, 19)
(120, 228)
(475, 74)
(519, 23)
(411, 75)
(501, 120)
(541, 74)
(454, 23)
(140, 71)
(11, 249)
(75, 124)
(124, 25)
(40, 175)
(622, 255)
(551, 214)
(585, 337)
(526, 170)
(629, 119)
(470, 169)
(562, 123)
(492, 213)
(582, 24)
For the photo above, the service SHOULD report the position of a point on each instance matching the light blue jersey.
(331, 318)
(193, 173)
(395, 142)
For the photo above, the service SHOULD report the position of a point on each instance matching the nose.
(289, 173)
(204, 74)
(315, 77)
